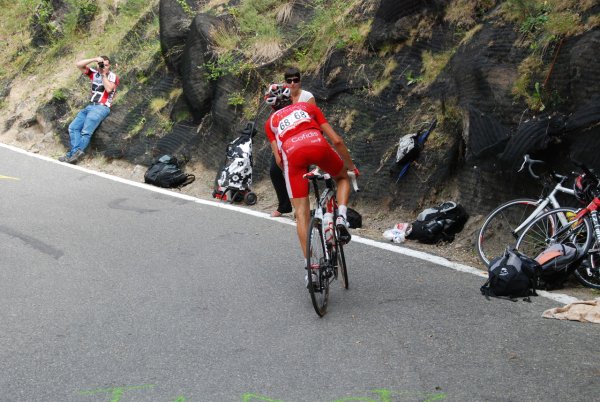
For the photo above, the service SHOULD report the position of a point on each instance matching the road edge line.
(558, 297)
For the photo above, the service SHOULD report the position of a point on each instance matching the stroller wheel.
(250, 198)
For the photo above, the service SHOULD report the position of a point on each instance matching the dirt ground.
(376, 219)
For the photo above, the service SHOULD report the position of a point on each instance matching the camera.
(101, 64)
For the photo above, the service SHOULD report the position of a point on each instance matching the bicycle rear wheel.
(498, 229)
(555, 227)
(317, 263)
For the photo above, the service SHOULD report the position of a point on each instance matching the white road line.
(558, 297)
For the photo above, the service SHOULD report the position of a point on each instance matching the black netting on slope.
(480, 154)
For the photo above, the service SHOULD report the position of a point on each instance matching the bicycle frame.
(544, 202)
(325, 200)
(592, 210)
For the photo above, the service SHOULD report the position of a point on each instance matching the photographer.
(104, 87)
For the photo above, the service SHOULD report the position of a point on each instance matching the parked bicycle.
(325, 253)
(504, 224)
(575, 228)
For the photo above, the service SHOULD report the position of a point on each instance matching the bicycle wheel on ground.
(341, 263)
(588, 272)
(317, 264)
(498, 229)
(555, 227)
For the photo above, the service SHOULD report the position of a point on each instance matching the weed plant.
(543, 24)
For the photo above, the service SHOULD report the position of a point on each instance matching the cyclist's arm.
(338, 144)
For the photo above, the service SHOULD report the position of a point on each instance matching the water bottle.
(328, 227)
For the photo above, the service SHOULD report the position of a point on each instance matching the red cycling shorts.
(302, 150)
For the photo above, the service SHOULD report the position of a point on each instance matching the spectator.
(104, 87)
(293, 79)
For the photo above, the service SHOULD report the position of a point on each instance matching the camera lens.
(101, 64)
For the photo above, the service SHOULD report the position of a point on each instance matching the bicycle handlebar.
(530, 162)
(584, 168)
(352, 177)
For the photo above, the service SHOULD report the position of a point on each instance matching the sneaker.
(75, 157)
(342, 228)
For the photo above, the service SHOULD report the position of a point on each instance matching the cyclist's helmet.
(278, 96)
(585, 188)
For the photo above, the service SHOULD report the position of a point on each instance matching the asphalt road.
(115, 292)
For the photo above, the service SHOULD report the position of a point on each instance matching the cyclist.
(295, 132)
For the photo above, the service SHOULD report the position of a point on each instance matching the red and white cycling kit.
(99, 94)
(297, 130)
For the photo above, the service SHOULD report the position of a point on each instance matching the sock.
(342, 210)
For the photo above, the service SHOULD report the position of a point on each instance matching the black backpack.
(439, 223)
(354, 218)
(166, 172)
(511, 275)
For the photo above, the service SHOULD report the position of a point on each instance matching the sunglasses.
(294, 80)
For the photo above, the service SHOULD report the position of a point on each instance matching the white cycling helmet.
(278, 96)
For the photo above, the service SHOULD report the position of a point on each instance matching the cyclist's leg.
(334, 165)
(294, 167)
(343, 194)
(302, 208)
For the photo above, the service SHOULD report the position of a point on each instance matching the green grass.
(108, 23)
(542, 24)
(434, 63)
(337, 24)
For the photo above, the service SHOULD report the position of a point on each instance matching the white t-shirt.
(304, 96)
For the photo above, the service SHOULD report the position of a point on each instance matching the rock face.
(197, 88)
(174, 30)
(483, 130)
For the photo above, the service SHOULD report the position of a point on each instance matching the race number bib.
(292, 120)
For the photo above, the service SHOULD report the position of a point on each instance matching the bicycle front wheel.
(499, 228)
(557, 226)
(316, 267)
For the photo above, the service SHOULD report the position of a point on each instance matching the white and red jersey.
(99, 94)
(293, 119)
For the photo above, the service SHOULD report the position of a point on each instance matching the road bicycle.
(576, 228)
(325, 253)
(504, 224)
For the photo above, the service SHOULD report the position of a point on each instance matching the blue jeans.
(84, 125)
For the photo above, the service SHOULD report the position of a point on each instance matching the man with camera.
(104, 87)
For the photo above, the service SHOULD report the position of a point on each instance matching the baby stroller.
(234, 180)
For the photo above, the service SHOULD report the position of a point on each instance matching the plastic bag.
(398, 233)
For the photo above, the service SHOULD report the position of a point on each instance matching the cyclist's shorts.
(302, 150)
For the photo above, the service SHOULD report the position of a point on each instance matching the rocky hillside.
(502, 78)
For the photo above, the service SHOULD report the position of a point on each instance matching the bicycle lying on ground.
(575, 228)
(504, 224)
(325, 253)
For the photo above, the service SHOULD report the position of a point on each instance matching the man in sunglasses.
(293, 80)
